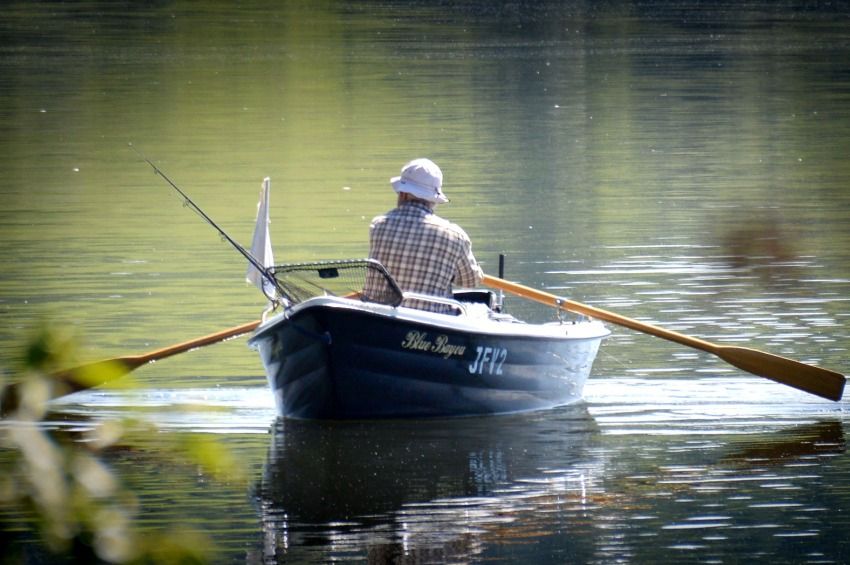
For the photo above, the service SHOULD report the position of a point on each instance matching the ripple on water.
(214, 410)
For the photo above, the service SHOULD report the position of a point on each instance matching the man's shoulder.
(381, 218)
(400, 214)
(448, 225)
(405, 215)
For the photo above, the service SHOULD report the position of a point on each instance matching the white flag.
(261, 246)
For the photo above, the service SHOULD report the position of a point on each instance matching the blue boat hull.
(334, 360)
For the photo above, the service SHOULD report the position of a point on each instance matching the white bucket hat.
(423, 179)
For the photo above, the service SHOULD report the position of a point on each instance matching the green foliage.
(57, 486)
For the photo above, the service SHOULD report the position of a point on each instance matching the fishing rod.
(245, 253)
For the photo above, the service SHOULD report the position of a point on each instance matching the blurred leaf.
(93, 475)
(213, 457)
(180, 545)
(50, 349)
(58, 482)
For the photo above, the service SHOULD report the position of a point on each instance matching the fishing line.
(191, 204)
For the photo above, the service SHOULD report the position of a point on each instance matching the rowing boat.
(334, 353)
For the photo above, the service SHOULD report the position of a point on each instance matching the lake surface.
(681, 163)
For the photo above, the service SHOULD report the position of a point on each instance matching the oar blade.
(98, 373)
(809, 378)
(65, 382)
(95, 374)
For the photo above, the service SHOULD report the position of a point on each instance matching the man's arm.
(469, 273)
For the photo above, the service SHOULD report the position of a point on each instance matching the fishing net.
(366, 279)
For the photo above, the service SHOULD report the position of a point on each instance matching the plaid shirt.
(423, 252)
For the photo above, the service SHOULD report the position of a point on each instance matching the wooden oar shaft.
(598, 313)
(120, 366)
(196, 343)
(809, 378)
(100, 372)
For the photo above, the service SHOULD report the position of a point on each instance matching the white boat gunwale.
(474, 321)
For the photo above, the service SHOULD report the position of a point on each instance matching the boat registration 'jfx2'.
(352, 357)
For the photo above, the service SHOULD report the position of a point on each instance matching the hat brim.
(419, 191)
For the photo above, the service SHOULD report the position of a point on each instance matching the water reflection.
(643, 467)
(540, 486)
(804, 442)
(433, 491)
(765, 495)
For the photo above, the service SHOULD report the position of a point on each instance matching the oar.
(100, 372)
(808, 378)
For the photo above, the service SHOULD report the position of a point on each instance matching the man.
(423, 252)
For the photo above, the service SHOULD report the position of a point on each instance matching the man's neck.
(405, 198)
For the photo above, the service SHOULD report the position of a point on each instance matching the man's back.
(423, 252)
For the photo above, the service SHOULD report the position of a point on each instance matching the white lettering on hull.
(489, 360)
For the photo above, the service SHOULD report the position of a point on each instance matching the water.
(679, 163)
(641, 472)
